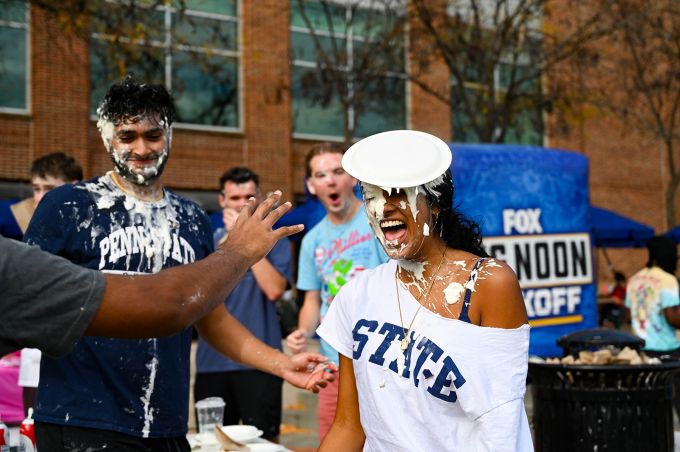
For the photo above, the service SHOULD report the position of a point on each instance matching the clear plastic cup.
(209, 413)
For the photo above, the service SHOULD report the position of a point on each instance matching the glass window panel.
(13, 10)
(138, 24)
(374, 23)
(13, 67)
(303, 47)
(383, 56)
(463, 132)
(505, 75)
(109, 63)
(462, 128)
(526, 129)
(316, 107)
(521, 71)
(199, 31)
(226, 7)
(147, 3)
(378, 48)
(385, 107)
(326, 16)
(205, 89)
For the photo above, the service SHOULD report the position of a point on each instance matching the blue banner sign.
(532, 205)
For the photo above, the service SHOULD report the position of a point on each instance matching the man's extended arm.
(173, 299)
(228, 336)
(672, 316)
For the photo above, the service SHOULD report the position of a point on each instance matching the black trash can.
(599, 408)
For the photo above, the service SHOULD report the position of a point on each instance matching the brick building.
(55, 82)
(58, 112)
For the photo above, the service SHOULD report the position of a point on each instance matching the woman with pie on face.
(433, 344)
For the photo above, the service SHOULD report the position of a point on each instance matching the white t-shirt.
(458, 387)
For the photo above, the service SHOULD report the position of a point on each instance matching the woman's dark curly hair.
(454, 228)
(129, 99)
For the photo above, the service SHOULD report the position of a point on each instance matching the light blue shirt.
(649, 292)
(332, 254)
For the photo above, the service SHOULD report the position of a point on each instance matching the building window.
(526, 126)
(348, 77)
(194, 52)
(14, 56)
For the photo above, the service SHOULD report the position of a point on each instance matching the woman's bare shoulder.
(500, 295)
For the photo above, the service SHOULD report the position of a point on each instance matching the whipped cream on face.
(434, 183)
(412, 196)
(105, 128)
(120, 154)
(374, 200)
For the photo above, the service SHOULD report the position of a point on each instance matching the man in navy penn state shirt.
(116, 393)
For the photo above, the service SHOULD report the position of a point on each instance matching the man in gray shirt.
(49, 303)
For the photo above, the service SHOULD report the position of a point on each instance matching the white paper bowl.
(242, 432)
(398, 159)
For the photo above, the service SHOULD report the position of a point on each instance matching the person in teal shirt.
(654, 302)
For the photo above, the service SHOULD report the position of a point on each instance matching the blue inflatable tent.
(674, 234)
(612, 230)
(533, 207)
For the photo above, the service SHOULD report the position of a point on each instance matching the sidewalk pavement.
(298, 422)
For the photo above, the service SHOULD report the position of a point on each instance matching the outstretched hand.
(311, 371)
(252, 234)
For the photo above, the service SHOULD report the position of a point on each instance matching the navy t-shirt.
(8, 224)
(138, 387)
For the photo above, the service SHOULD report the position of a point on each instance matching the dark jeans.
(250, 396)
(61, 438)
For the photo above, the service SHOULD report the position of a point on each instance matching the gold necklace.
(405, 340)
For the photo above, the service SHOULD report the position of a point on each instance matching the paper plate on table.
(242, 433)
(397, 159)
(265, 447)
(203, 440)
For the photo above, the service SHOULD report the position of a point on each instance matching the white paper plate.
(265, 447)
(397, 159)
(242, 433)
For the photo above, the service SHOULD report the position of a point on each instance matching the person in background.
(433, 344)
(336, 250)
(47, 172)
(654, 303)
(613, 312)
(125, 394)
(252, 397)
(653, 299)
